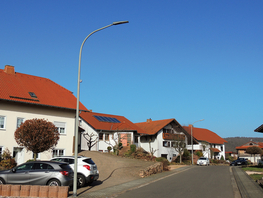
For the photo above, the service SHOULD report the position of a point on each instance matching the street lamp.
(192, 140)
(77, 109)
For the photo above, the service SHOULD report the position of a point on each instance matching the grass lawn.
(253, 168)
(256, 176)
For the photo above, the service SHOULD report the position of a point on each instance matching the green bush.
(199, 153)
(186, 153)
(132, 148)
(109, 148)
(222, 158)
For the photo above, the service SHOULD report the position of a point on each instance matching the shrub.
(132, 148)
(109, 148)
(7, 161)
(199, 153)
(164, 161)
(222, 158)
(186, 153)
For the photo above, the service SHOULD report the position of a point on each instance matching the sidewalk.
(247, 187)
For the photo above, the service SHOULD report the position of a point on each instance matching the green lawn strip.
(256, 177)
(251, 168)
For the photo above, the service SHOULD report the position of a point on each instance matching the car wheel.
(54, 182)
(2, 181)
(81, 181)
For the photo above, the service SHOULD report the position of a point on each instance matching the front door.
(18, 155)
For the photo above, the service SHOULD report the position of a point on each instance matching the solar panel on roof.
(107, 119)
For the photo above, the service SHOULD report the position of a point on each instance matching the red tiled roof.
(215, 150)
(152, 127)
(124, 125)
(245, 146)
(205, 135)
(16, 86)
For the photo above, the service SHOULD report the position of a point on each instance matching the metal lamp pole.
(192, 140)
(77, 109)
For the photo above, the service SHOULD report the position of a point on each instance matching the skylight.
(32, 94)
(107, 119)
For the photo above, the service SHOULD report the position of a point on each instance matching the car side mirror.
(13, 170)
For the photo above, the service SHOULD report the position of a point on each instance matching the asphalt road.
(205, 182)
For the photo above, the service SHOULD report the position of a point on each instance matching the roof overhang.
(259, 129)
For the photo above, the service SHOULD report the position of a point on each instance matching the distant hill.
(233, 142)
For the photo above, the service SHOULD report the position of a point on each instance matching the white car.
(87, 169)
(203, 161)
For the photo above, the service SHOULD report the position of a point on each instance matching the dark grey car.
(39, 173)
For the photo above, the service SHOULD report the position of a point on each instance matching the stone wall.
(153, 169)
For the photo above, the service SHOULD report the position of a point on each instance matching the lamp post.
(77, 109)
(192, 140)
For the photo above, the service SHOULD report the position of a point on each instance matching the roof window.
(32, 94)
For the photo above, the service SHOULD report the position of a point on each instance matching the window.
(19, 122)
(38, 156)
(61, 126)
(32, 94)
(101, 136)
(173, 144)
(221, 148)
(25, 167)
(107, 137)
(42, 166)
(167, 130)
(1, 151)
(58, 152)
(2, 122)
(166, 144)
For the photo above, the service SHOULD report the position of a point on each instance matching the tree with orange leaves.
(37, 135)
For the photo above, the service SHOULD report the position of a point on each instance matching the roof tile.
(201, 134)
(16, 86)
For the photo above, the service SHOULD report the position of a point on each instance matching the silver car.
(39, 173)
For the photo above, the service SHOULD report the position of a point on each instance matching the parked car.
(203, 161)
(238, 162)
(87, 169)
(39, 173)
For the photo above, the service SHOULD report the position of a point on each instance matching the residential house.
(241, 151)
(103, 130)
(23, 97)
(209, 143)
(160, 137)
(232, 154)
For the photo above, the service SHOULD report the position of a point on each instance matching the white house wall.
(14, 111)
(160, 149)
(101, 145)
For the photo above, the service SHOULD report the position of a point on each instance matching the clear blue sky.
(187, 60)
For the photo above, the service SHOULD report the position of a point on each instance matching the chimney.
(149, 120)
(9, 69)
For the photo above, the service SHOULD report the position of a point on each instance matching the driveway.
(113, 170)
